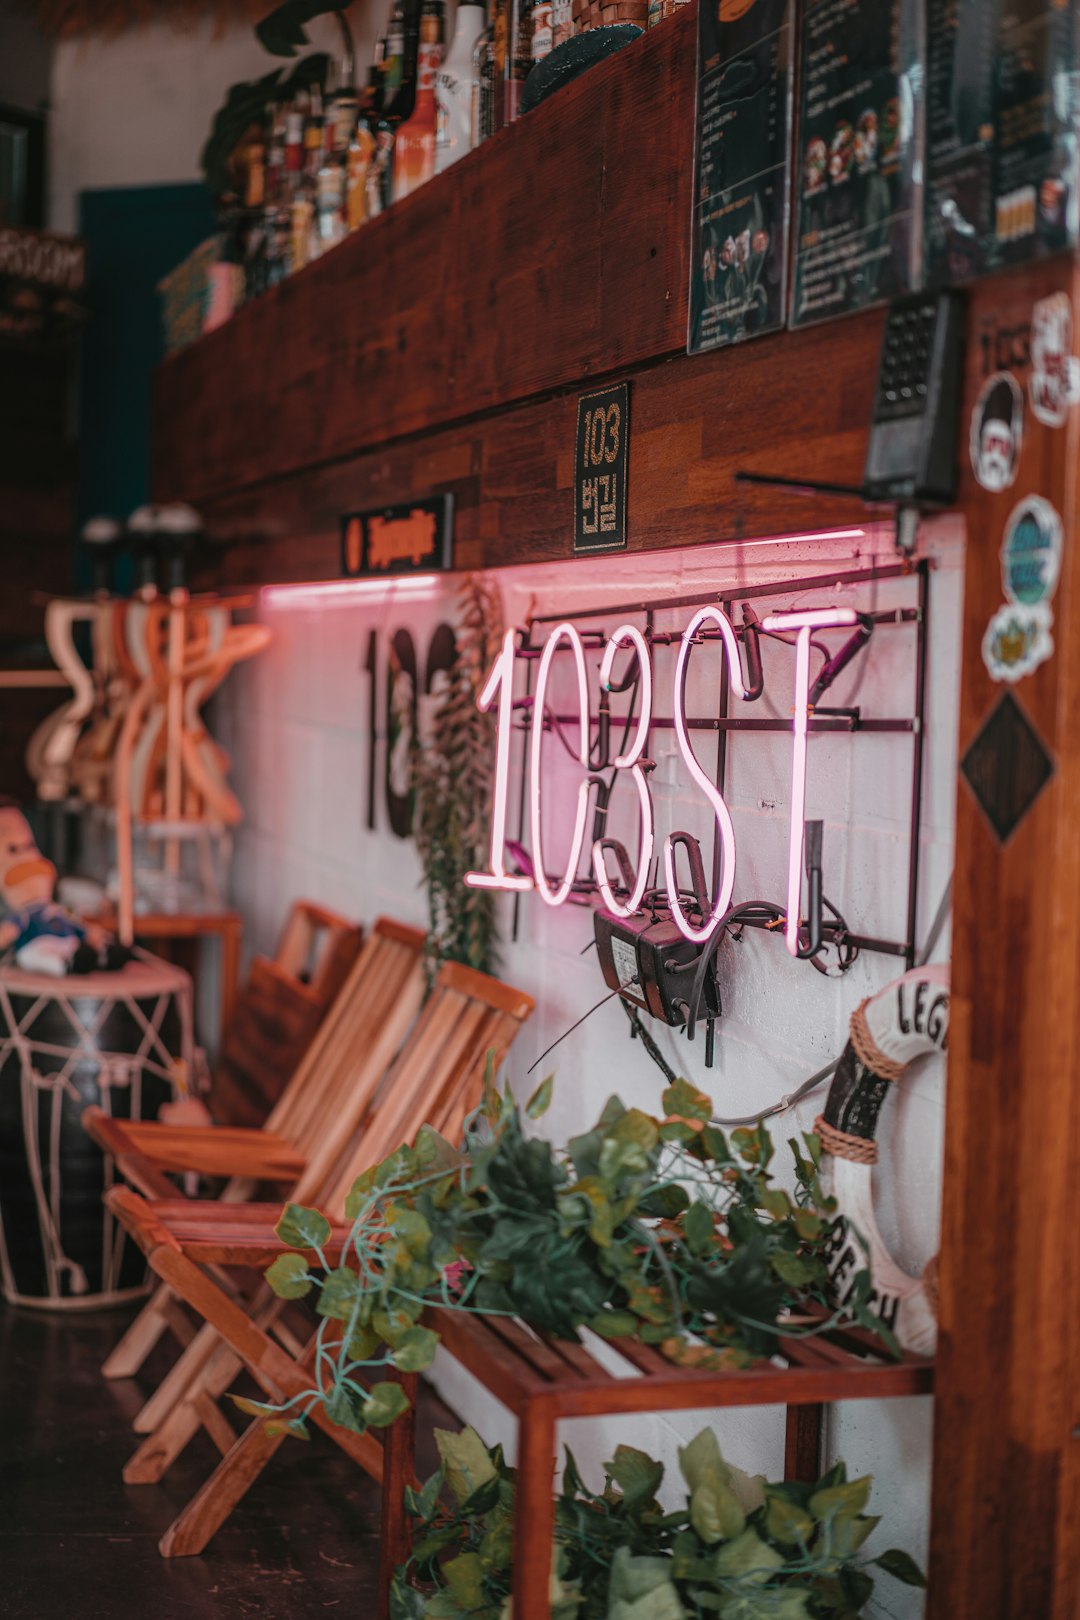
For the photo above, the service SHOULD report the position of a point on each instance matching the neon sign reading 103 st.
(498, 695)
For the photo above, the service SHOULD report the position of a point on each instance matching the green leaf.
(434, 1152)
(341, 1288)
(642, 1589)
(296, 1427)
(385, 1403)
(614, 1324)
(636, 1475)
(699, 1228)
(540, 1101)
(416, 1349)
(467, 1461)
(288, 1276)
(300, 1228)
(715, 1144)
(687, 1102)
(715, 1512)
(410, 1227)
(776, 1203)
(464, 1576)
(788, 1523)
(848, 1535)
(281, 32)
(796, 1269)
(252, 1408)
(841, 1501)
(747, 1558)
(901, 1566)
(347, 1407)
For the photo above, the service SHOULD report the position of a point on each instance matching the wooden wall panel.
(1005, 1520)
(768, 406)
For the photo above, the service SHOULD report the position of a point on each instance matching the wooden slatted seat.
(317, 1115)
(542, 1380)
(468, 1020)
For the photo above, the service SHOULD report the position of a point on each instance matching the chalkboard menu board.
(858, 213)
(1001, 134)
(741, 194)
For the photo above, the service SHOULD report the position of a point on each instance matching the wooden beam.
(1005, 1519)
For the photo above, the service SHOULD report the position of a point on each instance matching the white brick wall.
(296, 723)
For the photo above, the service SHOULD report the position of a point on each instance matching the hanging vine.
(453, 780)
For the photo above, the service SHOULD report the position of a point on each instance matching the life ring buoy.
(908, 1019)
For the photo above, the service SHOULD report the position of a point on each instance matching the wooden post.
(1005, 1532)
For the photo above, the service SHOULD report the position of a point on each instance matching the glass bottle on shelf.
(304, 241)
(414, 142)
(562, 22)
(483, 87)
(454, 87)
(542, 41)
(360, 155)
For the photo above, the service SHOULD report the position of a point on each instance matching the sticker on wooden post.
(997, 432)
(601, 457)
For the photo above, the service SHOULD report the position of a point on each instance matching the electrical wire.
(788, 1102)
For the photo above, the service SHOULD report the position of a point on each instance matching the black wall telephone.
(911, 456)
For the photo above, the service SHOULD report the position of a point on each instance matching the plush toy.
(40, 934)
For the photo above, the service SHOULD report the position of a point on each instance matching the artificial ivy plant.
(740, 1547)
(282, 32)
(453, 784)
(661, 1229)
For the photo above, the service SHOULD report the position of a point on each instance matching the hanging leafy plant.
(453, 783)
(282, 33)
(657, 1229)
(741, 1547)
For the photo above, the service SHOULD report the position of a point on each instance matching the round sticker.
(997, 431)
(1031, 552)
(1017, 641)
(1055, 371)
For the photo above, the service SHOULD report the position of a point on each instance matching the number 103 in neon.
(498, 695)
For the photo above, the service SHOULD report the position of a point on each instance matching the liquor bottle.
(512, 21)
(483, 87)
(454, 87)
(543, 40)
(414, 143)
(360, 155)
(380, 176)
(304, 239)
(562, 22)
(393, 56)
(294, 139)
(330, 200)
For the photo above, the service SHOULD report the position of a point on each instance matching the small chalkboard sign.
(600, 463)
(415, 537)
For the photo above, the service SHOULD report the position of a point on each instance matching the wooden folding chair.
(316, 1115)
(437, 1079)
(278, 1011)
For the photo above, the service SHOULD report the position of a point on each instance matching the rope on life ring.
(906, 1020)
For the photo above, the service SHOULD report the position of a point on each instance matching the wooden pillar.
(1005, 1531)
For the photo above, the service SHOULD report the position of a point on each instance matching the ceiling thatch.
(71, 18)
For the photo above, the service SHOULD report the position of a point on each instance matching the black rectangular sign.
(415, 537)
(600, 463)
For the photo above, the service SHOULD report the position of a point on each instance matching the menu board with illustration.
(1001, 134)
(858, 219)
(740, 230)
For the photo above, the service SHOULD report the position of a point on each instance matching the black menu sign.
(1001, 134)
(739, 251)
(416, 537)
(601, 453)
(858, 224)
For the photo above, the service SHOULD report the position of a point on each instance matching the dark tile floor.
(77, 1543)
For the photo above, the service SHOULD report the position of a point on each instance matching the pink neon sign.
(498, 690)
(804, 622)
(628, 635)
